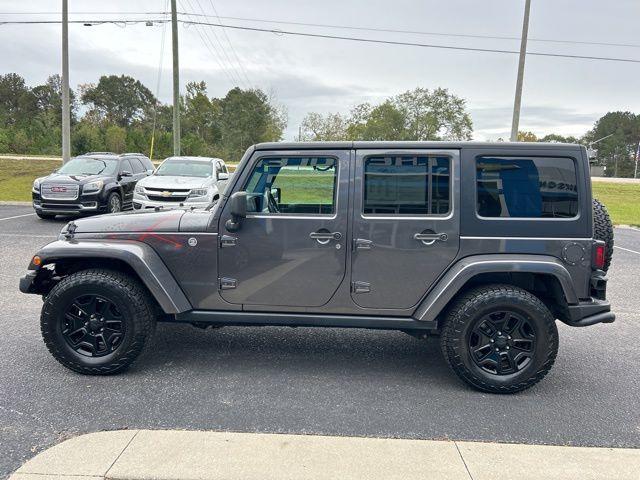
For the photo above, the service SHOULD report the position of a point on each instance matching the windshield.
(185, 168)
(90, 166)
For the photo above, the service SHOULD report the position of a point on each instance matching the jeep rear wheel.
(97, 321)
(499, 339)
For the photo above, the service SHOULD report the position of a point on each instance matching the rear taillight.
(598, 256)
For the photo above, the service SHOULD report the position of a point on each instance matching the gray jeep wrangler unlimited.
(485, 244)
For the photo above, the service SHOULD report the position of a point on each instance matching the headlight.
(92, 187)
(36, 185)
(199, 192)
(139, 189)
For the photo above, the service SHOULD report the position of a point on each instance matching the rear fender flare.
(140, 257)
(464, 270)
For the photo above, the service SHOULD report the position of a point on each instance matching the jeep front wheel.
(97, 321)
(499, 339)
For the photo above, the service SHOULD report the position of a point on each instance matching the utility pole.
(66, 109)
(176, 79)
(523, 53)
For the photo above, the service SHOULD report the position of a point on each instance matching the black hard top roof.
(409, 145)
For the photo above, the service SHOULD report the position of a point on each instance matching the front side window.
(407, 185)
(296, 185)
(526, 187)
(125, 166)
(137, 165)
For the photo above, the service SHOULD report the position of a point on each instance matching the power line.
(333, 37)
(347, 27)
(208, 44)
(233, 50)
(419, 32)
(213, 50)
(224, 50)
(409, 44)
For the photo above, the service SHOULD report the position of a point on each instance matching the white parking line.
(17, 216)
(626, 249)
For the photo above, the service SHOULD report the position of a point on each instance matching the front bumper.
(140, 203)
(65, 208)
(27, 282)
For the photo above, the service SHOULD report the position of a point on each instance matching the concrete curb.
(150, 454)
(16, 203)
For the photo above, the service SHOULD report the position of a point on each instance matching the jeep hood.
(136, 221)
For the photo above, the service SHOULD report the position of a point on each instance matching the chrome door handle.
(325, 237)
(430, 238)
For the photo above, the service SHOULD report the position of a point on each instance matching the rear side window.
(407, 185)
(526, 187)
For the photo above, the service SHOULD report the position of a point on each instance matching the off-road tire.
(470, 309)
(45, 216)
(603, 230)
(110, 203)
(138, 311)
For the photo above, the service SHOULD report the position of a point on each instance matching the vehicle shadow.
(331, 352)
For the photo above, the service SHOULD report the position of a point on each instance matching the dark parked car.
(485, 244)
(91, 183)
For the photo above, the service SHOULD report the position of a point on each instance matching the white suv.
(182, 181)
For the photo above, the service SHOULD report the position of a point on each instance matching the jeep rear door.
(290, 248)
(405, 224)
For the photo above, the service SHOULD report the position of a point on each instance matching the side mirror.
(223, 176)
(238, 209)
(276, 193)
(126, 173)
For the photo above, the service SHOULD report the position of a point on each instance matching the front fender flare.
(462, 271)
(139, 256)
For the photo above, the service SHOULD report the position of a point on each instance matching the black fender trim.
(465, 269)
(139, 256)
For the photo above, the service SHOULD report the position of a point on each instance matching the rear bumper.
(589, 313)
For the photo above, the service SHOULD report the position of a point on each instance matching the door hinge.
(228, 241)
(360, 287)
(227, 283)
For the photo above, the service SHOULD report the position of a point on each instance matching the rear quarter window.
(526, 187)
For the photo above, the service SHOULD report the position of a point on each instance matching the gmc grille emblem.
(59, 189)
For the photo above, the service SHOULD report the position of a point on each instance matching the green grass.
(621, 199)
(17, 176)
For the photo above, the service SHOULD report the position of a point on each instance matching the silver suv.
(182, 181)
(486, 245)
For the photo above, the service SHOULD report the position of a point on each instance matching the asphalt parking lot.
(324, 381)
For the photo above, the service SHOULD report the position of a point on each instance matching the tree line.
(119, 113)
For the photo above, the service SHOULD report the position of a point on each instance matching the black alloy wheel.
(93, 326)
(502, 343)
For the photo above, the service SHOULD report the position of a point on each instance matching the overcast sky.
(561, 95)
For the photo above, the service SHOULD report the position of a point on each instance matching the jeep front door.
(405, 224)
(290, 248)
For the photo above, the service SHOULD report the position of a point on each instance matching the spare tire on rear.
(603, 230)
